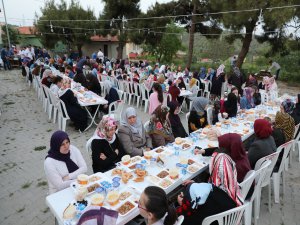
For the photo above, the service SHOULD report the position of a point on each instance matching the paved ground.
(25, 134)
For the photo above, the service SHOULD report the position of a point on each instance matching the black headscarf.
(231, 105)
(56, 140)
(174, 118)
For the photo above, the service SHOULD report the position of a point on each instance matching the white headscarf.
(220, 70)
(198, 193)
(136, 128)
(199, 104)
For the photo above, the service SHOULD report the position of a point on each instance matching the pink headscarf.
(220, 70)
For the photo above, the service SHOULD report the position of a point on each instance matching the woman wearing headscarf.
(198, 115)
(217, 81)
(263, 143)
(232, 145)
(132, 133)
(77, 114)
(79, 77)
(161, 80)
(202, 74)
(296, 112)
(236, 79)
(159, 127)
(231, 105)
(247, 101)
(181, 85)
(93, 84)
(106, 147)
(111, 95)
(284, 121)
(176, 125)
(63, 163)
(251, 80)
(47, 78)
(194, 89)
(173, 90)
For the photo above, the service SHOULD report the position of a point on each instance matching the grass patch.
(8, 103)
(6, 144)
(21, 210)
(39, 148)
(26, 185)
(11, 194)
(12, 139)
(49, 130)
(42, 183)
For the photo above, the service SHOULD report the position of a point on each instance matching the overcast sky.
(21, 12)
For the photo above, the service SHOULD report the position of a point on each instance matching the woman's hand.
(180, 198)
(117, 151)
(65, 178)
(198, 151)
(187, 182)
(102, 156)
(148, 149)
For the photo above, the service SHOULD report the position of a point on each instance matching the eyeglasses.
(140, 207)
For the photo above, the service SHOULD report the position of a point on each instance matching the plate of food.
(186, 146)
(91, 182)
(165, 183)
(193, 168)
(125, 195)
(159, 150)
(126, 208)
(153, 179)
(162, 174)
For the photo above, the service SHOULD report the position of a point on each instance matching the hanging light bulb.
(260, 18)
(63, 30)
(94, 32)
(51, 27)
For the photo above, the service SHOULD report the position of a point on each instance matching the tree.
(270, 22)
(169, 44)
(60, 23)
(119, 12)
(13, 35)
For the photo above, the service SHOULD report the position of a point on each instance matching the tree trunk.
(120, 50)
(79, 50)
(191, 38)
(246, 44)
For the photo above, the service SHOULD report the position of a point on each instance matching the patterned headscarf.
(288, 106)
(286, 123)
(223, 174)
(192, 82)
(248, 93)
(106, 124)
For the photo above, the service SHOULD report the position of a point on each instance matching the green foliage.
(70, 33)
(13, 35)
(170, 43)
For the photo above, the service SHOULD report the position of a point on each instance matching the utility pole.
(7, 33)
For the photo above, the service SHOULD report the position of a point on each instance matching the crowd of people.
(231, 161)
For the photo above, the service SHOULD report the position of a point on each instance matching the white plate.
(127, 202)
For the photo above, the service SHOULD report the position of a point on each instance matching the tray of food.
(162, 174)
(91, 183)
(193, 168)
(165, 183)
(126, 207)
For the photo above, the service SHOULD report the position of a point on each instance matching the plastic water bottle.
(183, 170)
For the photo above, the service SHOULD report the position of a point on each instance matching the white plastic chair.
(62, 116)
(122, 88)
(246, 184)
(207, 88)
(281, 171)
(259, 177)
(267, 180)
(120, 93)
(230, 217)
(146, 125)
(137, 93)
(145, 96)
(44, 97)
(187, 116)
(129, 91)
(55, 101)
(209, 115)
(27, 75)
(167, 98)
(296, 141)
(117, 111)
(39, 89)
(50, 105)
(180, 220)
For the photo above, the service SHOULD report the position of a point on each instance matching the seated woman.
(156, 98)
(106, 147)
(277, 133)
(56, 85)
(218, 116)
(231, 105)
(263, 143)
(232, 145)
(63, 163)
(256, 96)
(201, 200)
(284, 121)
(181, 86)
(132, 134)
(251, 80)
(161, 80)
(194, 89)
(47, 78)
(198, 115)
(155, 208)
(160, 128)
(247, 101)
(93, 84)
(296, 112)
(176, 125)
(174, 91)
(77, 114)
(79, 77)
(111, 95)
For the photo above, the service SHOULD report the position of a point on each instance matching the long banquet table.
(171, 154)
